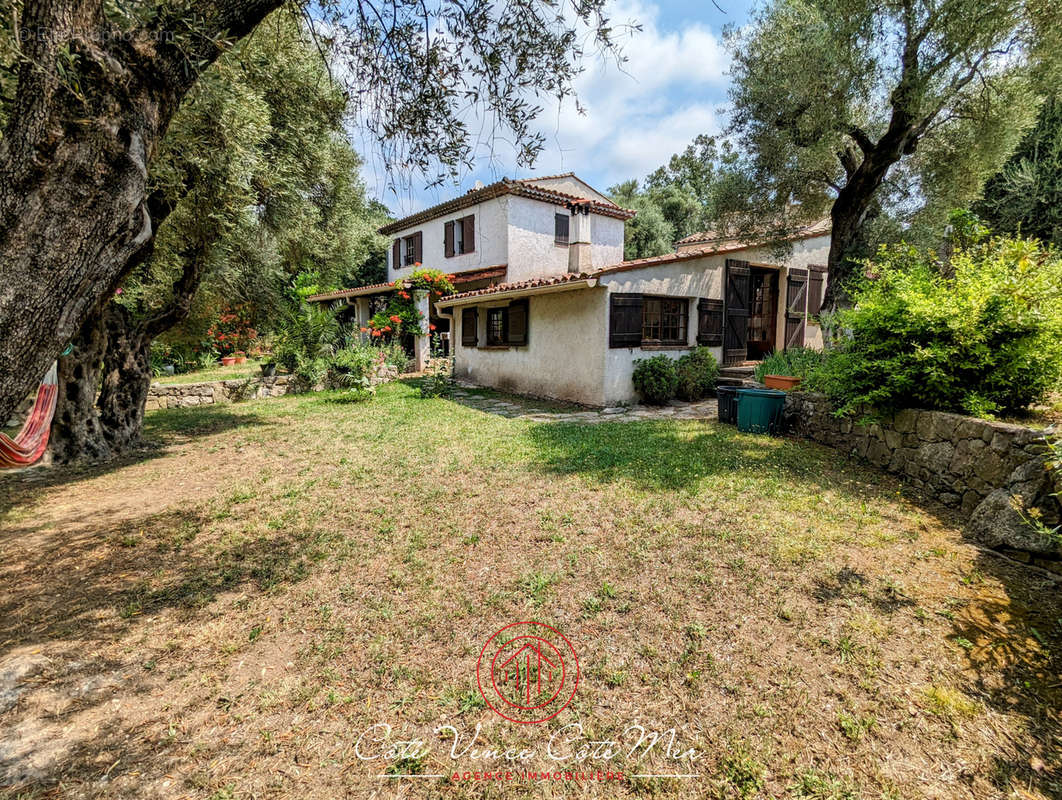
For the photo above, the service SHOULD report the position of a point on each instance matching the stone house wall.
(185, 395)
(992, 472)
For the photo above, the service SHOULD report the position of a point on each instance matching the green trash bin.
(760, 410)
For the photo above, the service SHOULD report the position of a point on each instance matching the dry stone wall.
(993, 473)
(185, 395)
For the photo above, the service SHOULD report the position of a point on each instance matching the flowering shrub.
(232, 332)
(401, 315)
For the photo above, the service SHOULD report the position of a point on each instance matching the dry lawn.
(223, 616)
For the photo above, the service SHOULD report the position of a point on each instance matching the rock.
(614, 410)
(997, 522)
(936, 456)
(905, 421)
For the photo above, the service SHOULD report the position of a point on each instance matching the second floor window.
(411, 250)
(459, 236)
(560, 228)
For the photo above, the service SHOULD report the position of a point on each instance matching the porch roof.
(459, 278)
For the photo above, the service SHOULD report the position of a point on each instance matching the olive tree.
(833, 99)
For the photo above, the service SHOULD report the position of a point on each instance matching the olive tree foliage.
(849, 107)
(89, 88)
(1026, 195)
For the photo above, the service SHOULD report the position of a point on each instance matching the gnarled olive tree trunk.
(91, 105)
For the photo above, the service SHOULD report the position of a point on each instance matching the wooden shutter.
(470, 327)
(796, 300)
(816, 282)
(396, 255)
(736, 312)
(469, 239)
(625, 320)
(448, 239)
(418, 248)
(710, 322)
(518, 322)
(560, 228)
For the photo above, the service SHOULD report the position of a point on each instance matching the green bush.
(305, 335)
(696, 373)
(655, 379)
(797, 362)
(981, 334)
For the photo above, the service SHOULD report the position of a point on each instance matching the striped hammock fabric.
(30, 443)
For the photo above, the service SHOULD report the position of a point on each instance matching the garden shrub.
(981, 334)
(696, 373)
(305, 335)
(655, 379)
(797, 362)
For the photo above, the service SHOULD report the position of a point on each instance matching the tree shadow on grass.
(163, 430)
(77, 601)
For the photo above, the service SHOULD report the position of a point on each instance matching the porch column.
(361, 314)
(422, 341)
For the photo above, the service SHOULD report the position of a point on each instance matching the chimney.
(579, 259)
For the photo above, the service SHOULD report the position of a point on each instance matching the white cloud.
(637, 114)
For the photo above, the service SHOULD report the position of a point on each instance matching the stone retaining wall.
(184, 395)
(992, 472)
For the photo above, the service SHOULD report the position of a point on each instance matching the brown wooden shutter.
(816, 282)
(469, 234)
(736, 312)
(560, 228)
(396, 255)
(470, 327)
(796, 300)
(625, 320)
(448, 239)
(418, 247)
(518, 322)
(710, 322)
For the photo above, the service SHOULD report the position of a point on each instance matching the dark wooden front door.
(763, 312)
(736, 312)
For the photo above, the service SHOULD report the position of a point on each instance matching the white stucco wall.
(564, 356)
(491, 240)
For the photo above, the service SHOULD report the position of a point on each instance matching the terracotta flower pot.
(228, 361)
(241, 359)
(784, 382)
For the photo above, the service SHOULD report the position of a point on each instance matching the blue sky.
(670, 90)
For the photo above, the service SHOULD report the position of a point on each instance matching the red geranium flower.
(431, 327)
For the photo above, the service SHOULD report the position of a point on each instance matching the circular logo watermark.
(528, 672)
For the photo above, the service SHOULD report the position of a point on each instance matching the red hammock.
(30, 442)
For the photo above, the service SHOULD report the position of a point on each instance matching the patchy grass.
(225, 615)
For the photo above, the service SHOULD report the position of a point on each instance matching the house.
(546, 305)
(508, 231)
(576, 336)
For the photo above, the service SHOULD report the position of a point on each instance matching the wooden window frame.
(501, 314)
(664, 314)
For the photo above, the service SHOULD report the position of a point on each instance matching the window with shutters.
(644, 321)
(816, 283)
(459, 236)
(560, 228)
(516, 327)
(470, 327)
(411, 249)
(497, 327)
(664, 320)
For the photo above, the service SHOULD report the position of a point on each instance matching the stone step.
(737, 372)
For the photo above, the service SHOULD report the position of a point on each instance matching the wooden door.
(736, 312)
(796, 300)
(763, 312)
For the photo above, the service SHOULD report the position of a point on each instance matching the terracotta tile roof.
(533, 283)
(357, 291)
(689, 254)
(819, 228)
(508, 186)
(468, 276)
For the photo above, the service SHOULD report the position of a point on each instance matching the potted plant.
(228, 361)
(269, 369)
(786, 370)
(241, 357)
